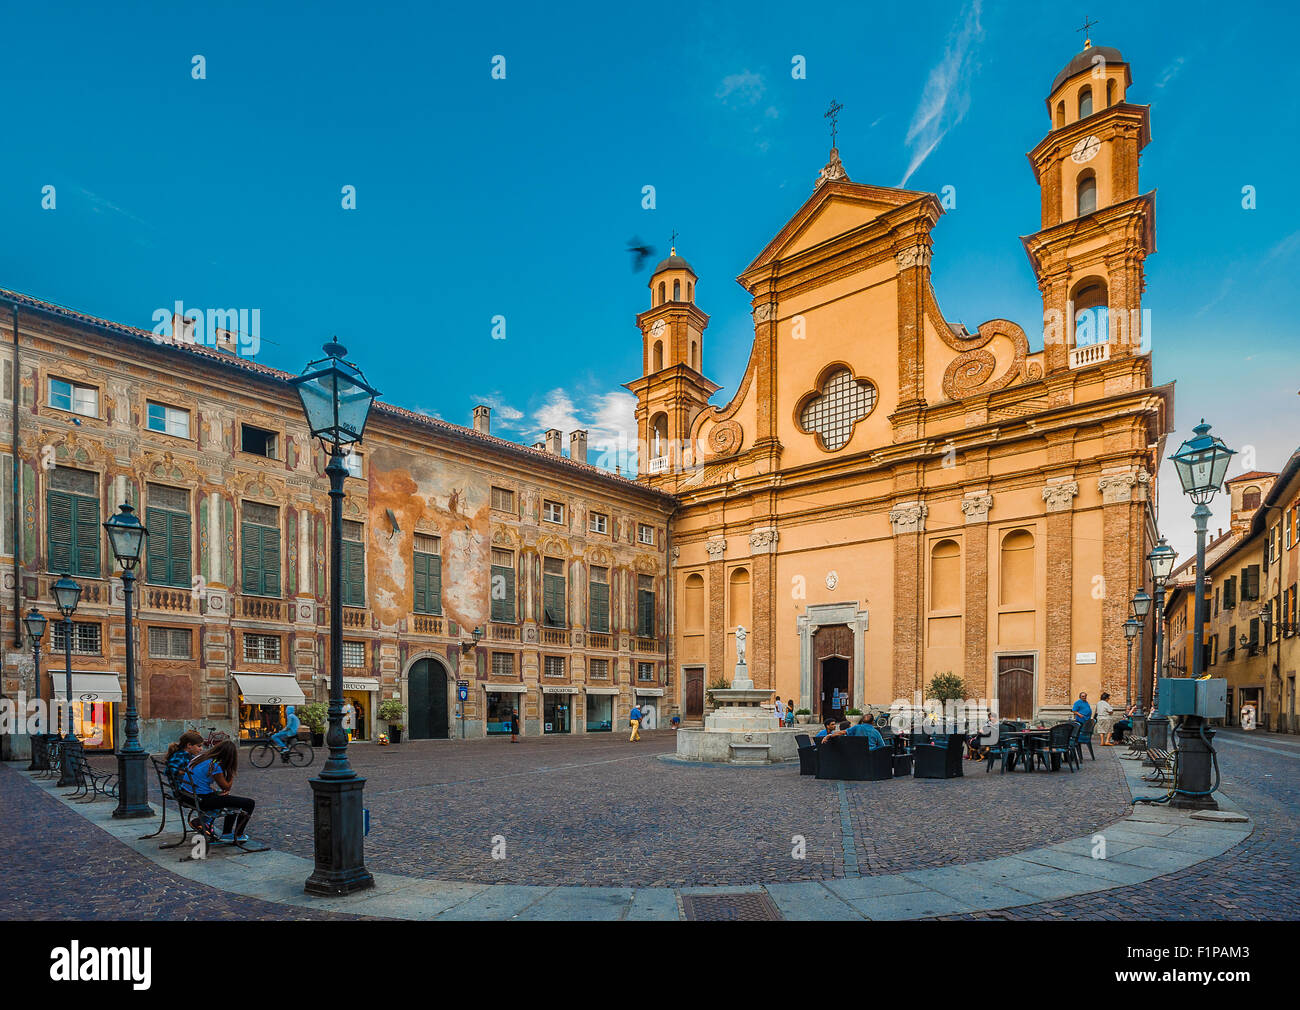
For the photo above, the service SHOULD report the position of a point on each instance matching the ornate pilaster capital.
(763, 540)
(975, 507)
(717, 547)
(1119, 486)
(764, 311)
(916, 255)
(909, 518)
(1060, 495)
(677, 554)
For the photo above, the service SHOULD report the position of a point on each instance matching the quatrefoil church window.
(832, 413)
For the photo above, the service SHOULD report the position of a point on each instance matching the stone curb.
(1150, 842)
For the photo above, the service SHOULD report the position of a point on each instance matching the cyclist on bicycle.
(290, 731)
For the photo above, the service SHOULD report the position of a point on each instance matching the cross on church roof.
(832, 114)
(1087, 42)
(672, 243)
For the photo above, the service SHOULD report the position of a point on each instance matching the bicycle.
(264, 752)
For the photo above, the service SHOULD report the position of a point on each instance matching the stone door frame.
(813, 618)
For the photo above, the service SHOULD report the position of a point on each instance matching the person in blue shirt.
(1081, 709)
(213, 775)
(179, 756)
(827, 730)
(290, 731)
(867, 727)
(634, 718)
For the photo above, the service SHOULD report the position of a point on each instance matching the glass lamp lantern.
(1161, 561)
(1141, 603)
(335, 397)
(1131, 627)
(67, 594)
(126, 534)
(35, 623)
(1202, 463)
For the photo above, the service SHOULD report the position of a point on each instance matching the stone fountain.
(739, 730)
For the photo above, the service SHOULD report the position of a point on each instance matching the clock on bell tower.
(1097, 228)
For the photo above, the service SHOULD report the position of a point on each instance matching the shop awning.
(360, 684)
(556, 689)
(602, 690)
(505, 688)
(269, 689)
(88, 686)
(650, 692)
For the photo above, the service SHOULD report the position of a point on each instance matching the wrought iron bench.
(91, 783)
(176, 788)
(1162, 767)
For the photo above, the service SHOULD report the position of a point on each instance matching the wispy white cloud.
(503, 415)
(99, 205)
(1170, 72)
(744, 88)
(945, 98)
(609, 419)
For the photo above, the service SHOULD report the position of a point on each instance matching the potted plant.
(719, 684)
(802, 716)
(315, 716)
(853, 711)
(391, 712)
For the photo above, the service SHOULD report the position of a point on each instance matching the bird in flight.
(640, 253)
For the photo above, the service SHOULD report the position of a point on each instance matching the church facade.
(886, 496)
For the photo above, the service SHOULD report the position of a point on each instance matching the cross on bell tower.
(832, 113)
(1087, 41)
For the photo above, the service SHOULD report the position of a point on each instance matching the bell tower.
(672, 389)
(1097, 228)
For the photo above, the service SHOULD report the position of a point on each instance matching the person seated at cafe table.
(828, 729)
(867, 727)
(977, 745)
(1081, 709)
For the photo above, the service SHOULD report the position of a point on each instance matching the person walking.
(1105, 719)
(514, 726)
(780, 711)
(789, 712)
(634, 718)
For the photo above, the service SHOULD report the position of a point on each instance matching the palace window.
(554, 666)
(352, 459)
(598, 601)
(598, 669)
(354, 654)
(645, 671)
(261, 648)
(171, 643)
(74, 397)
(257, 441)
(503, 585)
(503, 500)
(645, 606)
(645, 534)
(167, 548)
(86, 638)
(1250, 499)
(354, 564)
(503, 664)
(554, 605)
(598, 522)
(168, 420)
(428, 574)
(259, 549)
(552, 512)
(72, 522)
(842, 402)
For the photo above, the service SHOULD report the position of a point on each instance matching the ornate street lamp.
(67, 594)
(126, 535)
(1140, 606)
(1202, 463)
(336, 399)
(35, 624)
(1131, 628)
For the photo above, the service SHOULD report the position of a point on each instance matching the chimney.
(483, 419)
(539, 446)
(578, 446)
(226, 341)
(182, 329)
(555, 441)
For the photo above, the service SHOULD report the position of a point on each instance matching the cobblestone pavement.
(57, 865)
(1256, 880)
(595, 810)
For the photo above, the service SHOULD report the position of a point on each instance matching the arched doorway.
(427, 715)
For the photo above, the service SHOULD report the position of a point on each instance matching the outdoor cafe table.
(1025, 738)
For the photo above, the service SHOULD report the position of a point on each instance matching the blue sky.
(478, 198)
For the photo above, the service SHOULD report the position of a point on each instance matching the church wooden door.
(1016, 687)
(693, 682)
(833, 666)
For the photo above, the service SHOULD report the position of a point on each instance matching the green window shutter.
(11, 506)
(178, 550)
(421, 583)
(250, 558)
(645, 624)
(270, 561)
(85, 524)
(553, 601)
(354, 573)
(58, 525)
(435, 583)
(503, 593)
(599, 606)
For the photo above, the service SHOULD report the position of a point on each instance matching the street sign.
(462, 690)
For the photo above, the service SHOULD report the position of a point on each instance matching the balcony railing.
(354, 618)
(260, 607)
(553, 637)
(174, 600)
(659, 464)
(598, 641)
(503, 633)
(646, 645)
(424, 624)
(1089, 354)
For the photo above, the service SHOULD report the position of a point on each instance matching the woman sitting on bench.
(179, 756)
(213, 774)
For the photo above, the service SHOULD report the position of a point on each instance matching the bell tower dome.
(672, 389)
(1097, 228)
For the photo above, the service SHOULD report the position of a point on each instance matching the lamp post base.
(1195, 767)
(68, 764)
(133, 785)
(40, 752)
(339, 839)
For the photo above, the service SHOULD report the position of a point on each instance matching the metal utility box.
(1212, 698)
(1184, 696)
